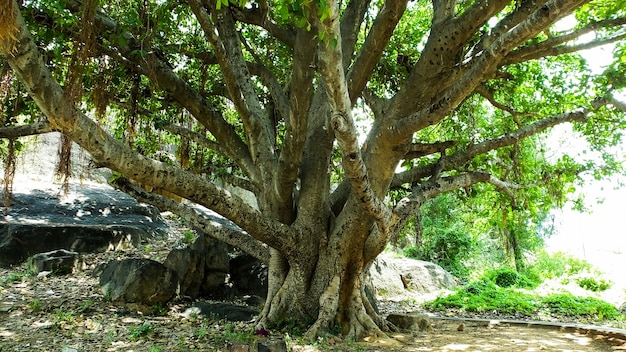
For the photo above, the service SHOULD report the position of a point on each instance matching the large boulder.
(189, 265)
(216, 259)
(139, 281)
(397, 278)
(91, 218)
(248, 276)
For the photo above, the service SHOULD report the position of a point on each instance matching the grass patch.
(485, 296)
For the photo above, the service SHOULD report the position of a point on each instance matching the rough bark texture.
(317, 240)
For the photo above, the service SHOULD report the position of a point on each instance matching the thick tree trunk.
(329, 293)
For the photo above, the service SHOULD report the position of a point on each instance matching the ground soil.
(69, 313)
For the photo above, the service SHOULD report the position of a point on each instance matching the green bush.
(485, 296)
(559, 264)
(591, 284)
(570, 305)
(447, 249)
(507, 277)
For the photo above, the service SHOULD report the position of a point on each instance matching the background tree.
(198, 95)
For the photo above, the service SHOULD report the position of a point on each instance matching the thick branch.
(165, 78)
(409, 205)
(220, 31)
(25, 130)
(460, 158)
(331, 70)
(560, 50)
(212, 224)
(374, 45)
(554, 46)
(418, 150)
(301, 95)
(260, 17)
(483, 65)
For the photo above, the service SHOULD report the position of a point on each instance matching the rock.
(265, 345)
(138, 280)
(59, 262)
(226, 311)
(410, 322)
(214, 251)
(189, 265)
(93, 218)
(248, 276)
(202, 269)
(403, 277)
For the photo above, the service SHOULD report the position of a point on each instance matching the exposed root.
(329, 304)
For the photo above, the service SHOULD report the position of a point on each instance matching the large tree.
(269, 96)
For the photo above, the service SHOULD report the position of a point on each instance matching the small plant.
(143, 330)
(201, 332)
(188, 236)
(85, 306)
(159, 309)
(157, 348)
(35, 305)
(591, 284)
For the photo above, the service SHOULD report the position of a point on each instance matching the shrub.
(559, 264)
(507, 277)
(569, 305)
(591, 284)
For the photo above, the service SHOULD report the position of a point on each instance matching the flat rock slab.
(90, 218)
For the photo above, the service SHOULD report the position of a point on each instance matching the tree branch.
(211, 224)
(460, 158)
(332, 72)
(25, 130)
(418, 150)
(300, 97)
(259, 16)
(377, 39)
(482, 65)
(164, 77)
(554, 46)
(220, 31)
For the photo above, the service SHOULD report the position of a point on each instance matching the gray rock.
(215, 252)
(399, 277)
(139, 281)
(189, 265)
(410, 322)
(58, 262)
(226, 311)
(92, 218)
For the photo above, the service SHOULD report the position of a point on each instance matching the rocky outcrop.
(88, 219)
(401, 278)
(139, 281)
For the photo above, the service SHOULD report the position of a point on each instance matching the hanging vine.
(8, 27)
(6, 88)
(84, 48)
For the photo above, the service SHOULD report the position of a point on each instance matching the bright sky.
(598, 236)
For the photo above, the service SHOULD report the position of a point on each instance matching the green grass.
(485, 296)
(139, 331)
